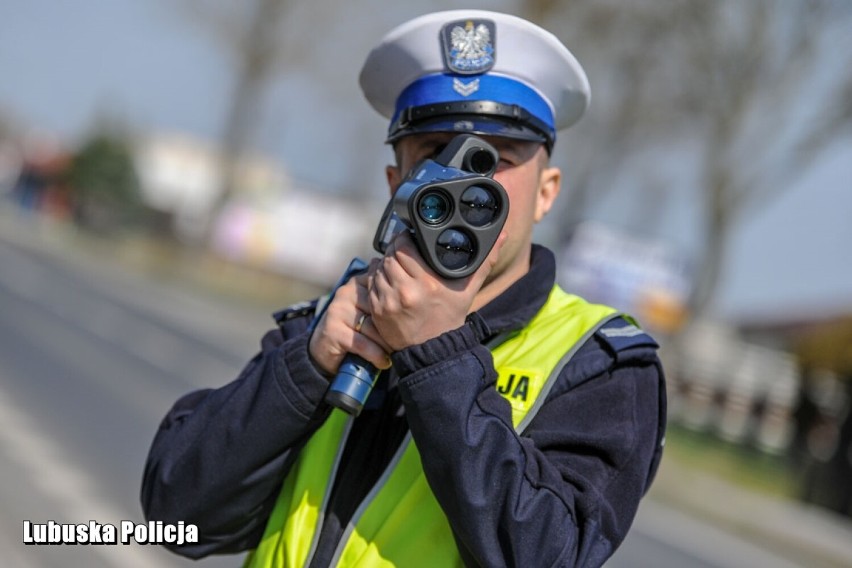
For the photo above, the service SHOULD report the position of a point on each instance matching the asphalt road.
(91, 358)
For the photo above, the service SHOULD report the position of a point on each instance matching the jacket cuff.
(299, 379)
(441, 348)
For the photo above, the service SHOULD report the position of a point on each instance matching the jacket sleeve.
(219, 456)
(566, 491)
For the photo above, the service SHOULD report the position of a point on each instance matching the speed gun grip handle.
(355, 377)
(352, 385)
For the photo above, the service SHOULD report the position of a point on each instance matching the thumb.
(481, 275)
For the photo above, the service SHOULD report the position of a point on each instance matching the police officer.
(513, 424)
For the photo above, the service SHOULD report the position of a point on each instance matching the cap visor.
(473, 124)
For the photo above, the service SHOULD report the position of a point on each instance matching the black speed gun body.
(451, 206)
(455, 213)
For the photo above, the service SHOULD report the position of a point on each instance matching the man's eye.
(437, 151)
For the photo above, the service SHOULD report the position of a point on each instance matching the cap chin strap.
(410, 116)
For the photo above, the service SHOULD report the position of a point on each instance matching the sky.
(65, 63)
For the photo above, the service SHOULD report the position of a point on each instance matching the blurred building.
(33, 172)
(822, 444)
(305, 233)
(744, 392)
(267, 222)
(181, 177)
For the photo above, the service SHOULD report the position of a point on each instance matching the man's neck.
(499, 284)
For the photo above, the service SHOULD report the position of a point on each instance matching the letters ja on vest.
(400, 522)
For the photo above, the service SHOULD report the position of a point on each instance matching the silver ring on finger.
(360, 323)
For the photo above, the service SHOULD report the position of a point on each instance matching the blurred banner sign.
(644, 277)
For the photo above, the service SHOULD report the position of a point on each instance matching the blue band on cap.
(442, 88)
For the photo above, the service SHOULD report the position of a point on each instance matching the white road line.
(65, 485)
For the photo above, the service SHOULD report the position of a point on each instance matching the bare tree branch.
(729, 76)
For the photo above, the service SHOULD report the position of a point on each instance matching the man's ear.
(394, 177)
(550, 182)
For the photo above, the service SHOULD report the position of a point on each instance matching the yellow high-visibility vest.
(400, 522)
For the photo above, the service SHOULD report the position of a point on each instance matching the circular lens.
(433, 207)
(480, 161)
(454, 249)
(478, 206)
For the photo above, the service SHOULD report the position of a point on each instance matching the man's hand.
(346, 327)
(409, 303)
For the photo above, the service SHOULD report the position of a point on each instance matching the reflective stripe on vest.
(400, 523)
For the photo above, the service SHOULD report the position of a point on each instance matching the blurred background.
(171, 172)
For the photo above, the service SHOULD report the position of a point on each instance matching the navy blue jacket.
(563, 494)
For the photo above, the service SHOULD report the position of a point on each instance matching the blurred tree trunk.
(251, 34)
(266, 39)
(256, 60)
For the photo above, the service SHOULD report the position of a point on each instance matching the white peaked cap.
(475, 71)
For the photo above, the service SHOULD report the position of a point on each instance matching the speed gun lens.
(478, 206)
(434, 207)
(455, 249)
(480, 161)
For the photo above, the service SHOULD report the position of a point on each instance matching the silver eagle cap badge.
(469, 46)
